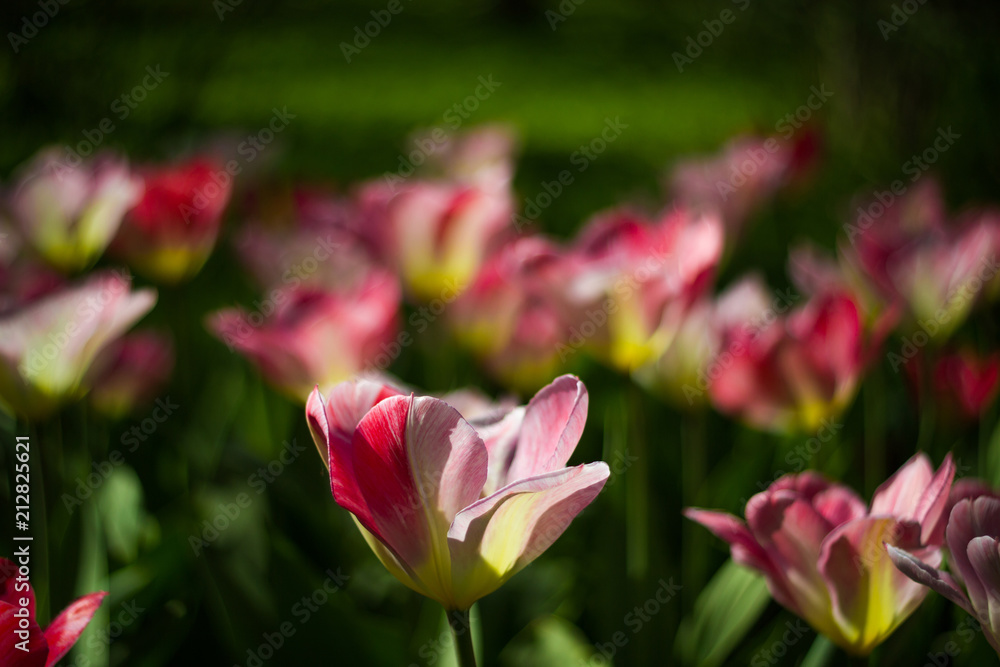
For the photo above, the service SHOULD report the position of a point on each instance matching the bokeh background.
(229, 65)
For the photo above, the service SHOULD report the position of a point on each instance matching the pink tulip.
(435, 235)
(911, 255)
(48, 345)
(483, 157)
(638, 279)
(171, 231)
(973, 540)
(798, 370)
(744, 175)
(301, 336)
(823, 552)
(311, 237)
(44, 647)
(130, 372)
(454, 508)
(69, 214)
(516, 315)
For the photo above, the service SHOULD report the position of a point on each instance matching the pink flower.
(516, 316)
(823, 553)
(744, 175)
(171, 231)
(973, 539)
(454, 508)
(796, 371)
(638, 279)
(303, 336)
(69, 214)
(48, 345)
(44, 647)
(435, 235)
(130, 372)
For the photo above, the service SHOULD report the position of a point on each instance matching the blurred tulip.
(171, 231)
(454, 508)
(824, 555)
(436, 235)
(311, 239)
(483, 156)
(303, 336)
(516, 316)
(961, 383)
(973, 539)
(743, 176)
(130, 372)
(48, 345)
(911, 255)
(797, 371)
(640, 278)
(42, 648)
(69, 214)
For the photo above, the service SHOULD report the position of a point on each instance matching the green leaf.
(727, 608)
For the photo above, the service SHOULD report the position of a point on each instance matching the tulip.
(436, 234)
(69, 214)
(742, 177)
(312, 239)
(171, 231)
(793, 372)
(482, 157)
(301, 336)
(642, 278)
(130, 372)
(48, 345)
(454, 508)
(44, 647)
(516, 315)
(823, 555)
(973, 539)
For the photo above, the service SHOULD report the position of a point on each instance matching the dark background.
(891, 94)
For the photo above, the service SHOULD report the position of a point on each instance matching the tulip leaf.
(819, 653)
(726, 609)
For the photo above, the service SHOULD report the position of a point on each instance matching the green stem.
(636, 490)
(874, 417)
(461, 629)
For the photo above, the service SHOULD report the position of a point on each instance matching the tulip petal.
(553, 423)
(838, 505)
(870, 597)
(922, 573)
(501, 435)
(745, 550)
(930, 512)
(970, 519)
(984, 555)
(418, 463)
(8, 571)
(67, 627)
(900, 495)
(10, 655)
(496, 537)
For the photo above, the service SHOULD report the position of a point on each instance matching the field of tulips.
(516, 333)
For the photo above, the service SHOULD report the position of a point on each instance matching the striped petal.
(922, 573)
(418, 463)
(67, 627)
(494, 539)
(553, 423)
